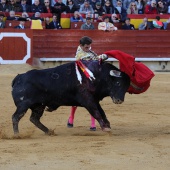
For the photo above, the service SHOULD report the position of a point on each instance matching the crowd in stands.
(96, 9)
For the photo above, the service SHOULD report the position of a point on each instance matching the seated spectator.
(100, 18)
(162, 8)
(25, 15)
(87, 25)
(78, 3)
(98, 9)
(126, 3)
(120, 10)
(47, 7)
(151, 8)
(128, 25)
(140, 6)
(86, 8)
(93, 3)
(106, 25)
(12, 16)
(37, 7)
(144, 24)
(37, 16)
(114, 18)
(2, 23)
(71, 6)
(13, 6)
(60, 7)
(166, 24)
(157, 24)
(77, 17)
(54, 24)
(104, 1)
(24, 7)
(132, 9)
(4, 7)
(47, 23)
(21, 24)
(108, 8)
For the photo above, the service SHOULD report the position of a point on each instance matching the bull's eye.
(117, 83)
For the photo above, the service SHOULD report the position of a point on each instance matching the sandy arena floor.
(140, 136)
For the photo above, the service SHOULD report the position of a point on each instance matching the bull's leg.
(35, 118)
(103, 116)
(19, 113)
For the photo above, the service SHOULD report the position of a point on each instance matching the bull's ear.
(115, 73)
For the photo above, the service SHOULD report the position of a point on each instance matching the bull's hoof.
(69, 125)
(106, 129)
(51, 133)
(92, 128)
(16, 136)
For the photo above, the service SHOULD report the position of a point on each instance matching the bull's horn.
(115, 73)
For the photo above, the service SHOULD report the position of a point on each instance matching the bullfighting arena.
(139, 138)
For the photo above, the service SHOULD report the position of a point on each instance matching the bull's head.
(119, 85)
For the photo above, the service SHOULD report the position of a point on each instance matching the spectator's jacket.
(60, 7)
(128, 27)
(4, 8)
(27, 8)
(163, 10)
(2, 24)
(103, 26)
(51, 9)
(87, 27)
(84, 10)
(99, 11)
(150, 10)
(73, 19)
(14, 7)
(52, 25)
(19, 27)
(37, 8)
(72, 10)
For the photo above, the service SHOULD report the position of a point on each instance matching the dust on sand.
(140, 135)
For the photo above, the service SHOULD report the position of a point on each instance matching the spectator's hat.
(98, 3)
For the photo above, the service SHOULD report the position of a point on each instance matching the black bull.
(59, 86)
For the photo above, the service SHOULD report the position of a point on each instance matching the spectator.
(100, 18)
(47, 7)
(37, 7)
(77, 17)
(24, 7)
(22, 23)
(12, 16)
(71, 6)
(157, 24)
(108, 8)
(88, 25)
(47, 23)
(166, 24)
(151, 8)
(162, 8)
(60, 7)
(132, 9)
(55, 24)
(78, 3)
(120, 10)
(25, 15)
(2, 23)
(98, 9)
(144, 24)
(104, 1)
(13, 6)
(86, 8)
(37, 16)
(140, 6)
(93, 3)
(4, 7)
(126, 3)
(128, 25)
(106, 25)
(114, 19)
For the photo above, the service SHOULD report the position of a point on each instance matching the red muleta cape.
(140, 75)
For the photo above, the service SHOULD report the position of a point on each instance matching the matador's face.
(86, 47)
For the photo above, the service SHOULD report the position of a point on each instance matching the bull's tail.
(15, 79)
